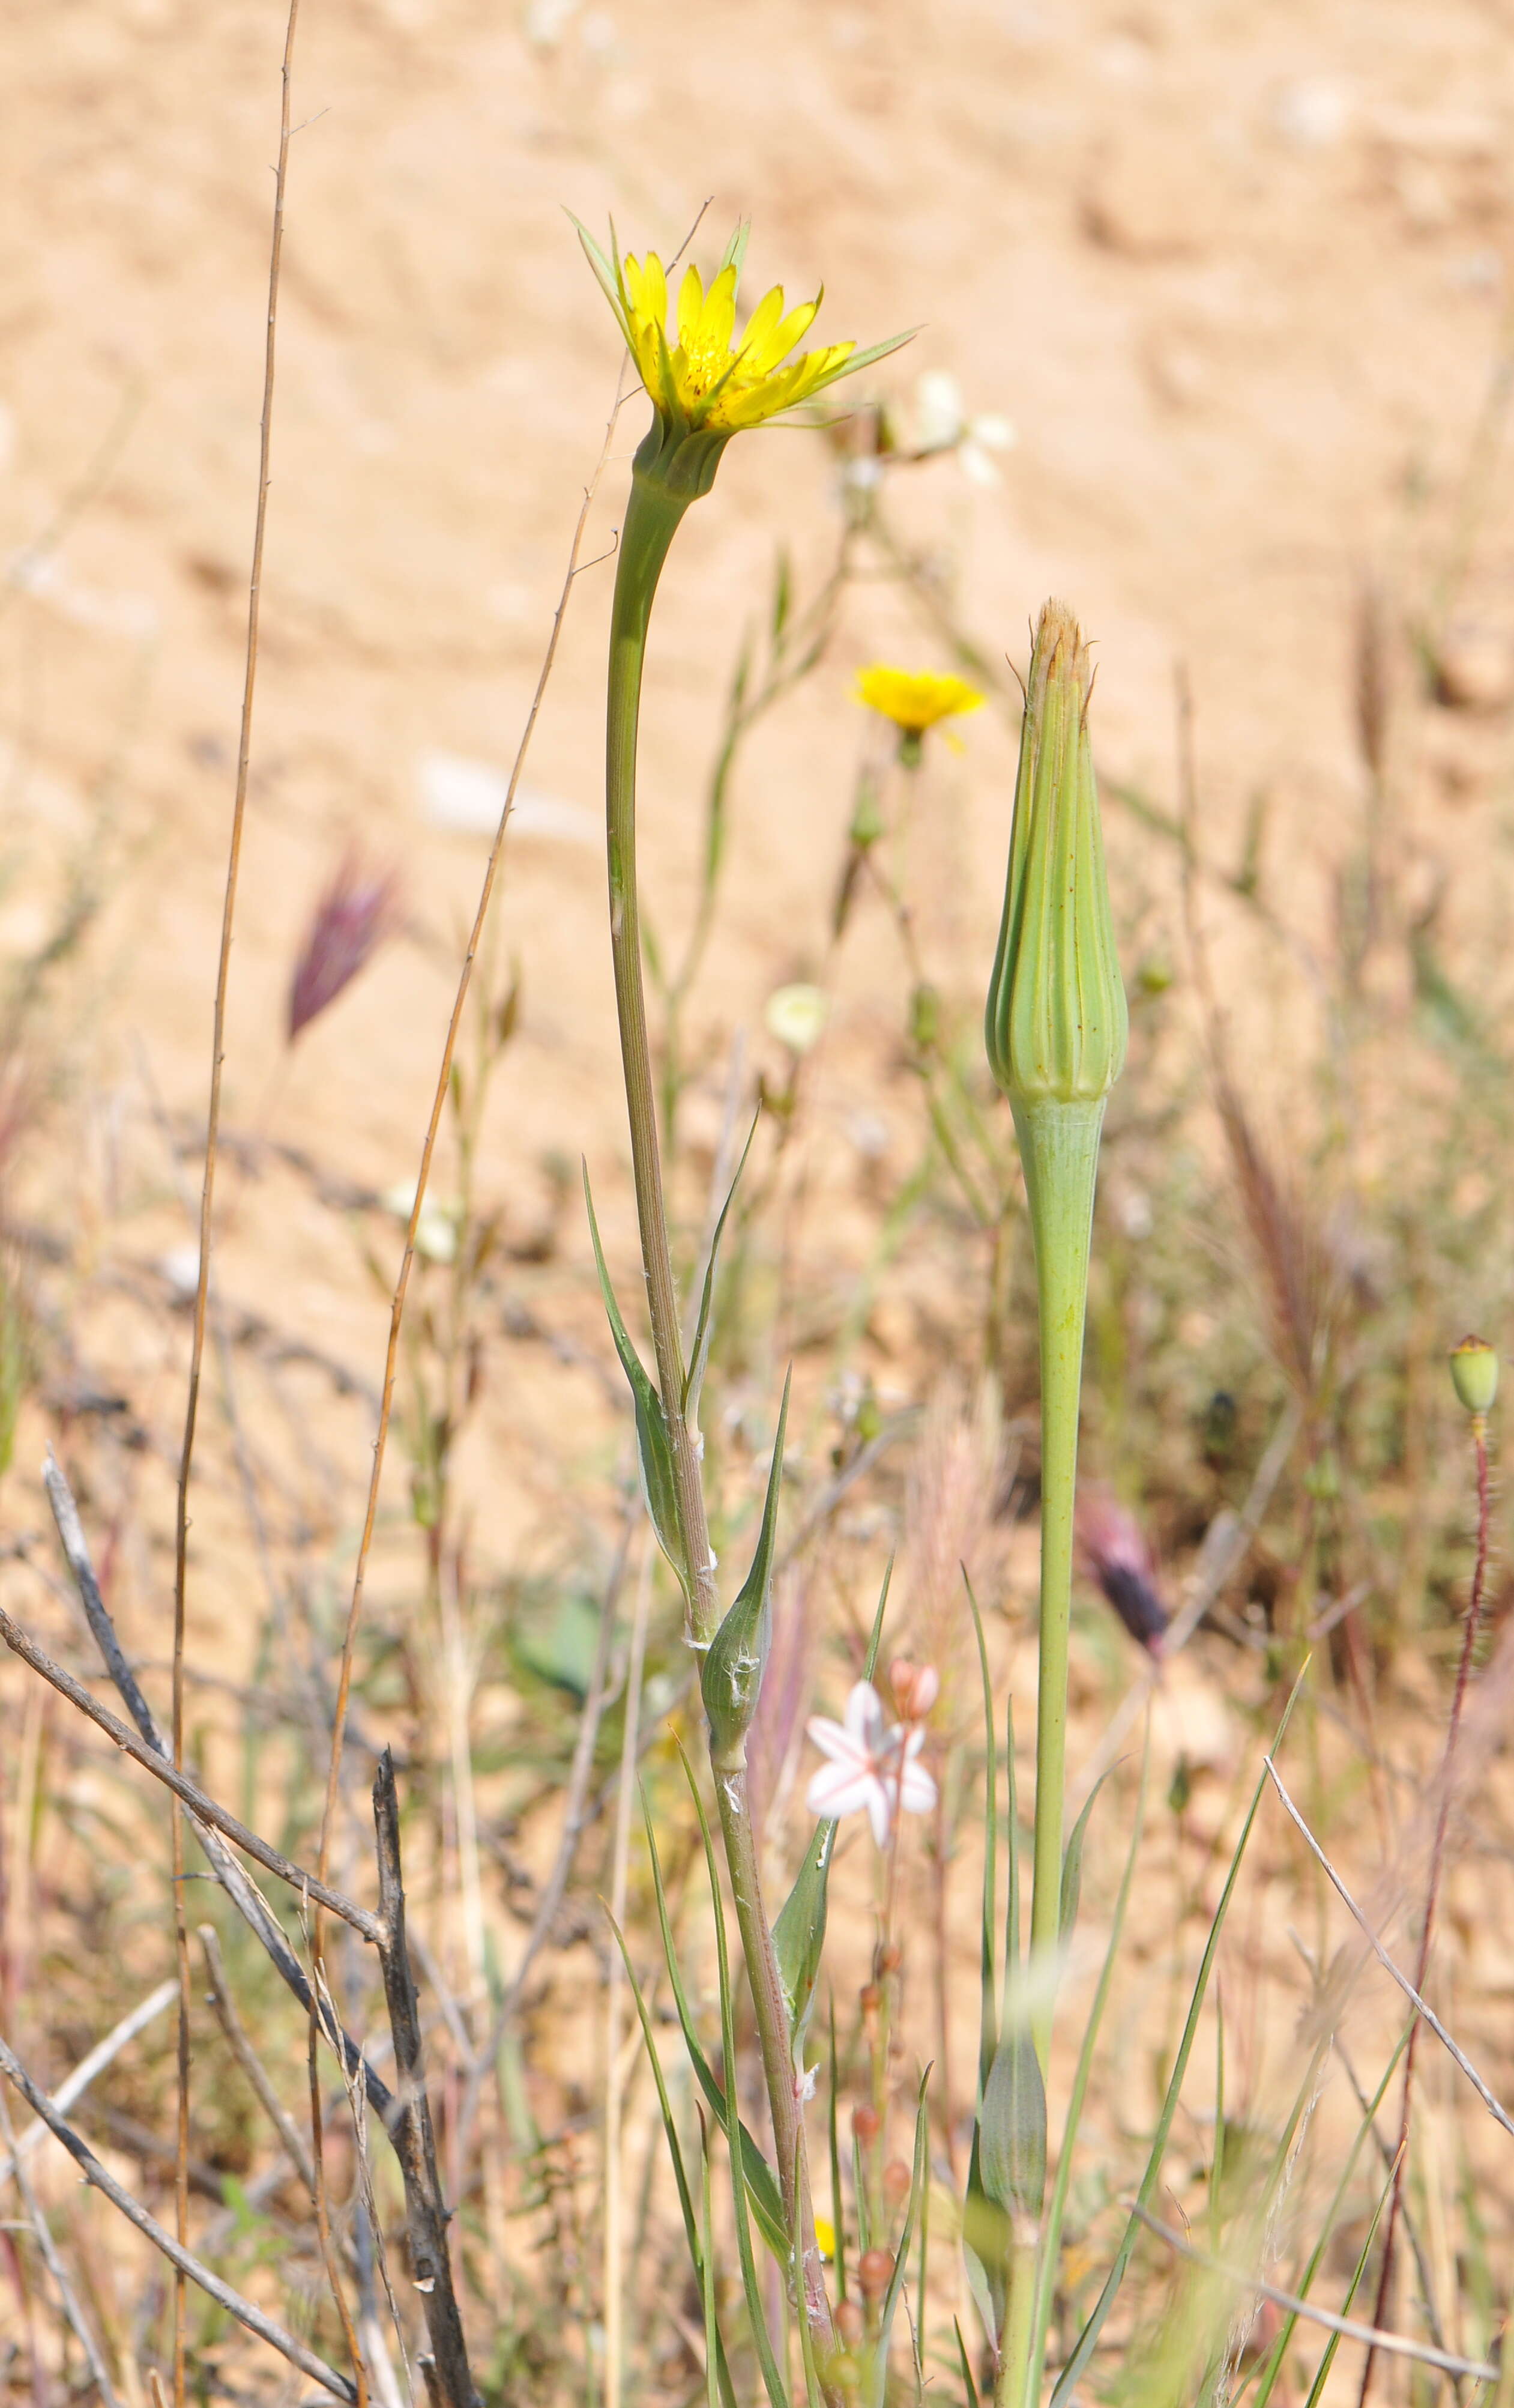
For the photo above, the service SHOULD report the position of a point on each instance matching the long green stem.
(652, 519)
(1059, 1144)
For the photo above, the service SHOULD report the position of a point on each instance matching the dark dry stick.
(410, 2122)
(188, 2266)
(244, 1895)
(397, 1314)
(248, 2058)
(205, 1808)
(48, 2250)
(202, 1287)
(1432, 1895)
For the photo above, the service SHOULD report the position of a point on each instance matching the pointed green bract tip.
(1056, 1024)
(1474, 1369)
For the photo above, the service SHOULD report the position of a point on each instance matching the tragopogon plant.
(1056, 1029)
(704, 387)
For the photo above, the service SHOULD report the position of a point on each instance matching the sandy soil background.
(1238, 277)
(1235, 277)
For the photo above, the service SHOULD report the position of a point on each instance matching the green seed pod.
(1056, 1024)
(1474, 1369)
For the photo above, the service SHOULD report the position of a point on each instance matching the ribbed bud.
(1474, 1369)
(1056, 1024)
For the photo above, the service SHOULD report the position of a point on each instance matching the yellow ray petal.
(783, 337)
(691, 304)
(760, 326)
(717, 323)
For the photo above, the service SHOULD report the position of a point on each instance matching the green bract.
(1056, 1024)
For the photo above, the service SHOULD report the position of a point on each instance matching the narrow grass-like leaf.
(813, 2398)
(699, 2256)
(654, 1446)
(799, 1931)
(1072, 1865)
(918, 2175)
(713, 2353)
(1088, 2339)
(1011, 1842)
(832, 2120)
(1272, 2364)
(734, 2132)
(968, 2386)
(987, 2035)
(730, 1680)
(1327, 2360)
(1050, 2241)
(767, 2199)
(985, 2227)
(699, 1353)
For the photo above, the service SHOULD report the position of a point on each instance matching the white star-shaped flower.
(873, 1768)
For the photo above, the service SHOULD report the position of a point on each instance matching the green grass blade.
(1088, 2339)
(704, 1326)
(1051, 2246)
(700, 2255)
(1273, 2362)
(767, 2201)
(734, 2132)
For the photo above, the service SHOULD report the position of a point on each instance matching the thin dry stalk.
(48, 2250)
(248, 2058)
(202, 1287)
(615, 2065)
(238, 1887)
(1416, 1998)
(178, 2255)
(1289, 1251)
(1397, 2344)
(188, 1792)
(439, 1103)
(1432, 1895)
(447, 2372)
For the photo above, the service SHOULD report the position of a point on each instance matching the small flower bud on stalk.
(1474, 1369)
(1055, 1030)
(875, 2273)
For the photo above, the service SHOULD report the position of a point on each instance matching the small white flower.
(943, 424)
(796, 1016)
(872, 1767)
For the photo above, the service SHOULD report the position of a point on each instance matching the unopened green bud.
(925, 1017)
(1474, 1369)
(1056, 1024)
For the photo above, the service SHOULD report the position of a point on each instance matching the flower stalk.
(1055, 1030)
(704, 388)
(652, 519)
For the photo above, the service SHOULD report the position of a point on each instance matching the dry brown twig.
(448, 2374)
(48, 2251)
(189, 2267)
(1397, 2344)
(188, 1792)
(233, 1877)
(202, 1290)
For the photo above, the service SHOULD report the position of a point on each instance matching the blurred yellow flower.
(915, 699)
(697, 375)
(826, 2237)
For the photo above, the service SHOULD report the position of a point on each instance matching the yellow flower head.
(915, 699)
(698, 376)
